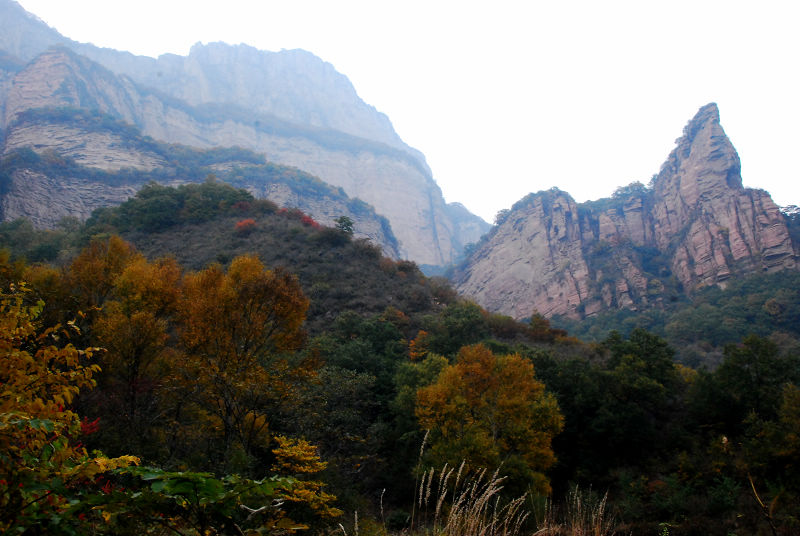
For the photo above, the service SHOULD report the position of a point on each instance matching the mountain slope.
(289, 105)
(199, 224)
(696, 226)
(60, 162)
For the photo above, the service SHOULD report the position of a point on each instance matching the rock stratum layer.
(696, 225)
(60, 162)
(289, 105)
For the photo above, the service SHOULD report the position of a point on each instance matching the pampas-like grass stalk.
(472, 507)
(582, 515)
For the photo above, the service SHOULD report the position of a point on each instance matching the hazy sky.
(505, 98)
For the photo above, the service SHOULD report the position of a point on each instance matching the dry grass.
(582, 515)
(449, 503)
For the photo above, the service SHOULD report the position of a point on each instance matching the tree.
(460, 323)
(235, 329)
(639, 390)
(134, 327)
(93, 272)
(344, 224)
(491, 411)
(753, 375)
(43, 466)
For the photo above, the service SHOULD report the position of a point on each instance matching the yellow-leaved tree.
(237, 329)
(490, 411)
(42, 462)
(134, 327)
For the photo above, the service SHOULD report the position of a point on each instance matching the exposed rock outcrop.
(82, 160)
(97, 149)
(289, 105)
(391, 180)
(695, 226)
(45, 200)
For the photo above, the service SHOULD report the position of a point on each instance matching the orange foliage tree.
(236, 329)
(490, 411)
(134, 327)
(92, 274)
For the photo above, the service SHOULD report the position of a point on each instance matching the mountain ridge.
(61, 162)
(696, 225)
(199, 100)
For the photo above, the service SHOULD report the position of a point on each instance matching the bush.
(245, 227)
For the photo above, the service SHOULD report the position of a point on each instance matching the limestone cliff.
(24, 35)
(696, 225)
(45, 199)
(59, 162)
(59, 78)
(289, 105)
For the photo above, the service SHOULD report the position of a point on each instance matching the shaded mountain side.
(24, 35)
(9, 67)
(61, 78)
(290, 105)
(66, 162)
(694, 226)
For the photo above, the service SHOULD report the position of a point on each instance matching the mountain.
(289, 105)
(68, 162)
(694, 226)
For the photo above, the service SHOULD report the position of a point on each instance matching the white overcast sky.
(509, 97)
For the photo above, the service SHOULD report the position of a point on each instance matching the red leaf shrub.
(245, 226)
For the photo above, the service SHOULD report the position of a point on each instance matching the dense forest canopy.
(196, 361)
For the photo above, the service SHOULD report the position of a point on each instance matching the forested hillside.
(269, 374)
(762, 304)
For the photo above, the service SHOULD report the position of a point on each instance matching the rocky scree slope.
(696, 225)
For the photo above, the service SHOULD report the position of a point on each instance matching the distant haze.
(512, 97)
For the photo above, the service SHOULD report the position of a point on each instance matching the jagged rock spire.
(553, 256)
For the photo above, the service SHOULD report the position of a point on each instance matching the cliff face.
(724, 228)
(695, 226)
(289, 105)
(392, 180)
(24, 35)
(65, 106)
(81, 162)
(294, 85)
(45, 199)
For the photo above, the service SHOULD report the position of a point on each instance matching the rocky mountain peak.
(696, 226)
(703, 163)
(61, 78)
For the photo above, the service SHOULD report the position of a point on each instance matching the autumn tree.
(92, 273)
(490, 411)
(299, 459)
(134, 326)
(236, 329)
(50, 485)
(43, 466)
